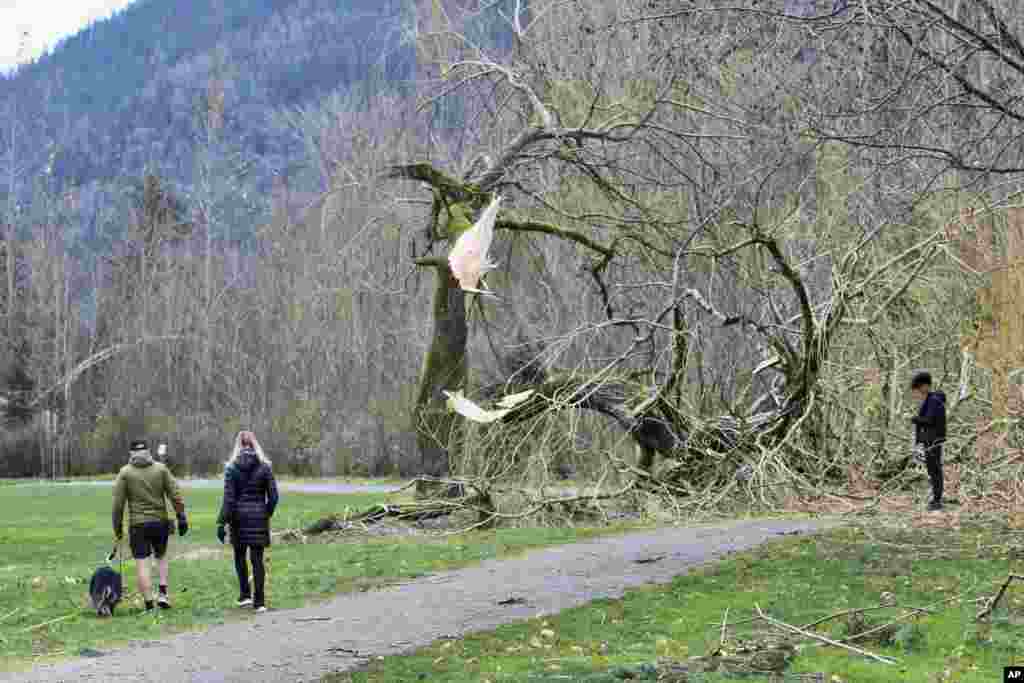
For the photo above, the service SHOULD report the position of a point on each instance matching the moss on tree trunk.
(445, 367)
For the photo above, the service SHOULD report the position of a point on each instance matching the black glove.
(182, 525)
(221, 533)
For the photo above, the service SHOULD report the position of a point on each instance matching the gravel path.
(306, 644)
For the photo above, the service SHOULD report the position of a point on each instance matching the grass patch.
(281, 478)
(798, 581)
(53, 537)
(357, 481)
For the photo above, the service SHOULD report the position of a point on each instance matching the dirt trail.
(306, 644)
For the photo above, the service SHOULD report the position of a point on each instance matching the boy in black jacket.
(930, 431)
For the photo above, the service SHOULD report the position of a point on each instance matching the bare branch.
(552, 229)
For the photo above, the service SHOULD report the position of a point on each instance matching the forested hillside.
(122, 93)
(726, 238)
(209, 100)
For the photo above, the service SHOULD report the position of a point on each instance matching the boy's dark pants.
(933, 461)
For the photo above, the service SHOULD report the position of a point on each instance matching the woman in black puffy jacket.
(250, 496)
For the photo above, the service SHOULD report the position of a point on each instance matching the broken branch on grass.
(439, 480)
(913, 612)
(411, 512)
(847, 612)
(828, 641)
(991, 605)
(550, 502)
(433, 509)
(879, 629)
(47, 623)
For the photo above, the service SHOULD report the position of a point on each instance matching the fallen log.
(410, 512)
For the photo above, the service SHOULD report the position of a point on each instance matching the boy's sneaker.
(163, 601)
(244, 602)
(260, 608)
(934, 505)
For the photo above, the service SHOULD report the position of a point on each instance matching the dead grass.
(1003, 497)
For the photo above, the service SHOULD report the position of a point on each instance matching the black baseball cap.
(138, 445)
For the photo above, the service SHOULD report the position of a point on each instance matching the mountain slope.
(122, 93)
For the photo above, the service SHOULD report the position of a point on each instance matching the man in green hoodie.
(145, 485)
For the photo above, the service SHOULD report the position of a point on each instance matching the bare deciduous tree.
(685, 134)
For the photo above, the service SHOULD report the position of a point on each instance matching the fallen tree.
(682, 181)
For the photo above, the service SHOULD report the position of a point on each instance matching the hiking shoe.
(163, 602)
(244, 602)
(934, 505)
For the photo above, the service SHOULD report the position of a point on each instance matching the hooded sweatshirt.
(931, 420)
(144, 484)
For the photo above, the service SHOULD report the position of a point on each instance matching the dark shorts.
(149, 538)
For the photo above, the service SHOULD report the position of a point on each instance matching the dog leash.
(116, 552)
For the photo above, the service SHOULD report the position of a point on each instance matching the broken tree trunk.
(445, 367)
(652, 423)
(446, 364)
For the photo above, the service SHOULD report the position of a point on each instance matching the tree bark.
(445, 368)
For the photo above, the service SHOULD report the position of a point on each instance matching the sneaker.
(934, 505)
(260, 608)
(163, 602)
(244, 602)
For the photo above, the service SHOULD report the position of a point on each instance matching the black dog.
(105, 590)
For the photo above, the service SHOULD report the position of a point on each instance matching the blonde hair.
(250, 438)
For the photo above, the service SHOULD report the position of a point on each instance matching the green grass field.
(281, 478)
(52, 537)
(796, 580)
